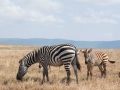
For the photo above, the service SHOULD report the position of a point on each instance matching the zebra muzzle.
(18, 78)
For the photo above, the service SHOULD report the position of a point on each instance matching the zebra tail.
(77, 61)
(111, 61)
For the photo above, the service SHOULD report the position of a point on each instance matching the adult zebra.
(95, 59)
(57, 55)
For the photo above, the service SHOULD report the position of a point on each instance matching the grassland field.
(11, 54)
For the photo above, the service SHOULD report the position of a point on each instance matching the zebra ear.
(90, 50)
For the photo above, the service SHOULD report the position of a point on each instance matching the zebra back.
(101, 56)
(54, 54)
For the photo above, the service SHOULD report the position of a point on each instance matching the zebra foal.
(57, 55)
(95, 59)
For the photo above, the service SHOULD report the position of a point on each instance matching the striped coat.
(57, 55)
(96, 58)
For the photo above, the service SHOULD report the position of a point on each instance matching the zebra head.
(87, 55)
(22, 69)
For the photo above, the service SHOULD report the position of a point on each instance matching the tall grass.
(11, 54)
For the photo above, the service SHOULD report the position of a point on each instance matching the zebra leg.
(87, 74)
(67, 68)
(43, 80)
(87, 71)
(75, 69)
(91, 71)
(104, 66)
(45, 72)
(68, 77)
(101, 70)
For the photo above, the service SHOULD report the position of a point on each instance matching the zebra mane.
(30, 54)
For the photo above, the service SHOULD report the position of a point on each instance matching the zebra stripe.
(96, 59)
(103, 57)
(57, 55)
(30, 58)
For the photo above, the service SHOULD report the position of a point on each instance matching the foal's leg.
(101, 70)
(88, 71)
(104, 66)
(87, 74)
(89, 68)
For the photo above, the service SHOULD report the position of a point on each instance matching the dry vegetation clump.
(11, 54)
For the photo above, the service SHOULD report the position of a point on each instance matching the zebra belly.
(56, 64)
(97, 62)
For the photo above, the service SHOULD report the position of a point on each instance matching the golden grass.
(11, 54)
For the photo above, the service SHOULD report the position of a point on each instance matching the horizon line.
(64, 39)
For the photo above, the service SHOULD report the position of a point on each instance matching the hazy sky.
(86, 20)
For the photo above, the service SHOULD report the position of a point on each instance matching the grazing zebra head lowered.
(95, 58)
(57, 55)
(26, 62)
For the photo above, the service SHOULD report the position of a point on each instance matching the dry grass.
(11, 54)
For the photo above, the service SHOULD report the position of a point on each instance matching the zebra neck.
(30, 62)
(92, 56)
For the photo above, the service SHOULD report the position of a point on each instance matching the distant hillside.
(48, 42)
